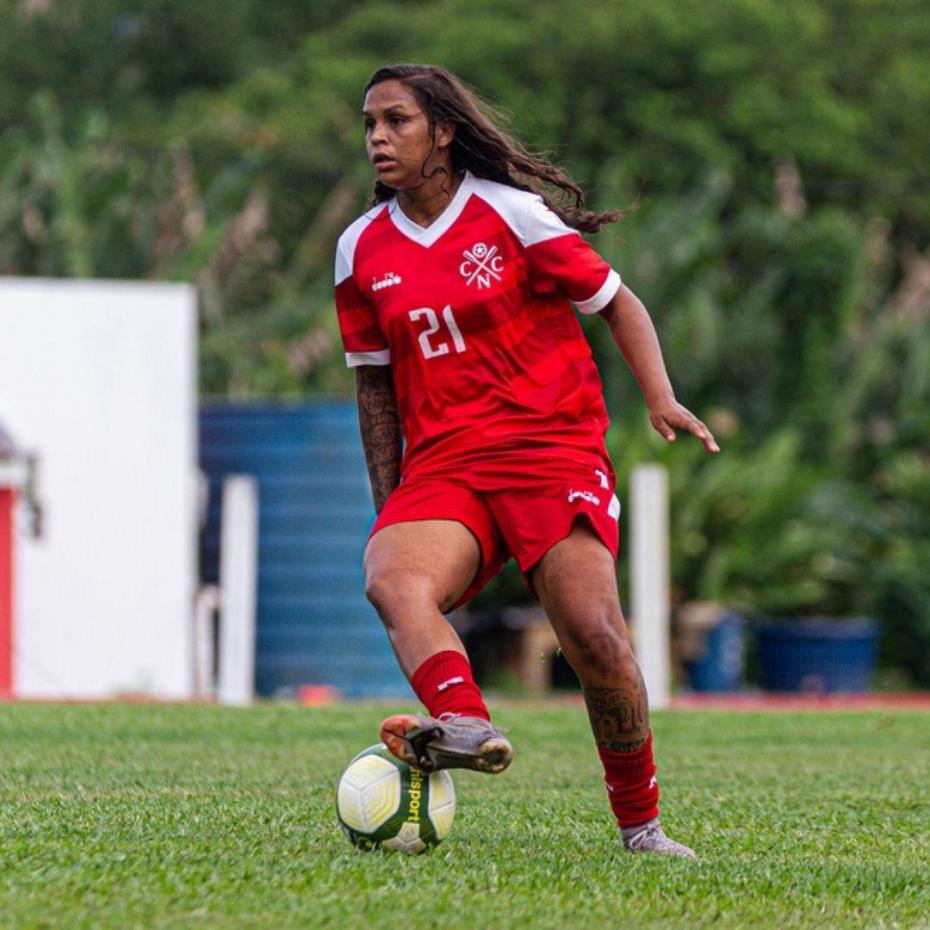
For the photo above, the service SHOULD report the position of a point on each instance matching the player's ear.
(445, 133)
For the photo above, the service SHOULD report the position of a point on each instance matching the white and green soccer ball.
(383, 802)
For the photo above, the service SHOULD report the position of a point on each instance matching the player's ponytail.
(483, 148)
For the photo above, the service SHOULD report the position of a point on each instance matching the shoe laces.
(650, 832)
(450, 717)
(653, 839)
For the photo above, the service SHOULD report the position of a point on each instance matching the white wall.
(100, 379)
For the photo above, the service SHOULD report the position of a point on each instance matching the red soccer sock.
(631, 784)
(445, 685)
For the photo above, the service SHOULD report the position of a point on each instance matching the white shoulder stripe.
(380, 357)
(605, 294)
(345, 250)
(524, 212)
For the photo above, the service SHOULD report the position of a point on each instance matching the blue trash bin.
(819, 655)
(720, 665)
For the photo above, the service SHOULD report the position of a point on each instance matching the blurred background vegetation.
(773, 155)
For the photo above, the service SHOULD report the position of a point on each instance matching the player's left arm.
(635, 336)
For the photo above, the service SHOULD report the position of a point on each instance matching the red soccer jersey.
(474, 315)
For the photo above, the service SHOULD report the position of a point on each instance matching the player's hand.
(667, 416)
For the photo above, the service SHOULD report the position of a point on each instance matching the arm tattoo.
(379, 423)
(619, 716)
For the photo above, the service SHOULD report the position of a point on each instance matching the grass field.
(126, 816)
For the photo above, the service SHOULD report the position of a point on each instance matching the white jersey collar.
(426, 236)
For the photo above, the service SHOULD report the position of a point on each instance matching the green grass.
(121, 816)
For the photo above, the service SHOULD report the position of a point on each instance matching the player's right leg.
(416, 570)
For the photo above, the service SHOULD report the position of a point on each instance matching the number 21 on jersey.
(431, 344)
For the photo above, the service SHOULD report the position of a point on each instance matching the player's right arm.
(379, 423)
(367, 351)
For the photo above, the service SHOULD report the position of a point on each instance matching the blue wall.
(314, 624)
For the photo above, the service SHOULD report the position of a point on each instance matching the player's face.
(398, 139)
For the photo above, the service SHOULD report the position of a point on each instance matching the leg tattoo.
(620, 715)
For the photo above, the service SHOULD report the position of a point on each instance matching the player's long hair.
(486, 150)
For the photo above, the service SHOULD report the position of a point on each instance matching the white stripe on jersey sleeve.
(345, 249)
(540, 223)
(533, 222)
(605, 294)
(524, 212)
(381, 357)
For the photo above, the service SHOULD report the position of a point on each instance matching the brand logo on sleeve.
(389, 280)
(574, 495)
(481, 265)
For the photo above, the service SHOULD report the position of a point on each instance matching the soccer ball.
(382, 801)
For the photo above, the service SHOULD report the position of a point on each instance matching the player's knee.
(602, 652)
(381, 591)
(392, 591)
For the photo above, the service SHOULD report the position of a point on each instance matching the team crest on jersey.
(482, 265)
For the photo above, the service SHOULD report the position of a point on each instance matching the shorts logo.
(481, 264)
(388, 280)
(573, 495)
(613, 508)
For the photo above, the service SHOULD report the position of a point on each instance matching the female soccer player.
(483, 421)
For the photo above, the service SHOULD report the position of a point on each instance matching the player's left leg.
(576, 583)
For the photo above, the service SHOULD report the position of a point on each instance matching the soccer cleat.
(448, 742)
(650, 837)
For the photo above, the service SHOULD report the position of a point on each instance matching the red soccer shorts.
(523, 518)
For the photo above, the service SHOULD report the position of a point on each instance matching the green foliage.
(209, 817)
(772, 154)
